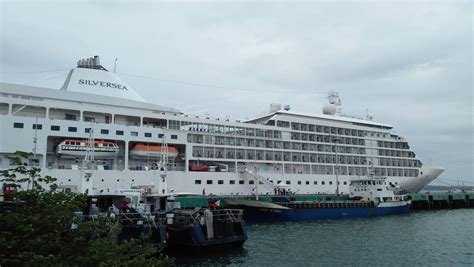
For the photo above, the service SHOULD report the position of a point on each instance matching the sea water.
(442, 238)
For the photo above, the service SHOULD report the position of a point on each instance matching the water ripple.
(420, 238)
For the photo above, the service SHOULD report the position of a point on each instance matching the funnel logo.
(103, 84)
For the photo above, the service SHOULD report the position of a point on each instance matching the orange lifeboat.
(152, 151)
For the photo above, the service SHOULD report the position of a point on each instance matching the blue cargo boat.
(368, 197)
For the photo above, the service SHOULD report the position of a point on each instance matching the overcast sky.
(410, 64)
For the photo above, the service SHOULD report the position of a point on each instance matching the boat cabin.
(376, 190)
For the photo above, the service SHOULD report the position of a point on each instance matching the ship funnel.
(90, 63)
(96, 61)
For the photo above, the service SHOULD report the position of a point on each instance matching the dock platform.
(420, 201)
(442, 200)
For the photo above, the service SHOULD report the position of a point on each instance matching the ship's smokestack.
(96, 61)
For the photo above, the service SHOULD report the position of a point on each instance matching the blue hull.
(275, 214)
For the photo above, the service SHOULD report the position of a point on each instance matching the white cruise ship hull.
(302, 153)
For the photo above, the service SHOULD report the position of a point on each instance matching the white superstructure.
(282, 149)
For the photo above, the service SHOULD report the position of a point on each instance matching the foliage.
(35, 228)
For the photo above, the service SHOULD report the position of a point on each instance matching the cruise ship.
(96, 134)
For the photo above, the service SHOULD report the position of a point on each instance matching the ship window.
(299, 182)
(37, 126)
(197, 181)
(330, 182)
(220, 181)
(70, 117)
(241, 181)
(288, 182)
(87, 130)
(307, 182)
(134, 133)
(72, 129)
(345, 182)
(209, 181)
(161, 135)
(55, 128)
(104, 131)
(315, 182)
(119, 132)
(147, 134)
(251, 182)
(17, 125)
(174, 136)
(323, 182)
(232, 182)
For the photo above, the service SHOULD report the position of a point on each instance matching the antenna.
(115, 65)
(368, 116)
(334, 99)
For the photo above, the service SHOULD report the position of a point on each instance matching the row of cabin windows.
(222, 182)
(253, 182)
(87, 130)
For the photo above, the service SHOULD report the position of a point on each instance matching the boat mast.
(163, 165)
(88, 164)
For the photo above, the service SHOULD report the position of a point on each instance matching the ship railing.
(195, 216)
(326, 204)
(260, 179)
(139, 218)
(234, 215)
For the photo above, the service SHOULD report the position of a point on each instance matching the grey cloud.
(409, 63)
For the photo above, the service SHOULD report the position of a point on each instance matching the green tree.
(35, 227)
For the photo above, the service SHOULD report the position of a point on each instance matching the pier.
(442, 200)
(420, 201)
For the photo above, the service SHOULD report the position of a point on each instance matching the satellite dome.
(329, 109)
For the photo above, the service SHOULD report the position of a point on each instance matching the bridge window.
(147, 134)
(209, 181)
(197, 181)
(220, 181)
(55, 128)
(72, 129)
(118, 132)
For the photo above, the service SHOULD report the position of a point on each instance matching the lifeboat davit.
(152, 151)
(74, 148)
